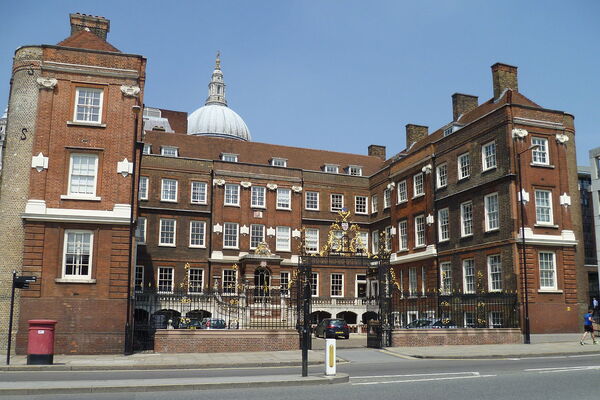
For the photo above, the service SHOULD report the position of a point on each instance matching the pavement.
(155, 361)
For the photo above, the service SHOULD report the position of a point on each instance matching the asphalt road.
(378, 375)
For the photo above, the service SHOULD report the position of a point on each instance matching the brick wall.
(445, 337)
(216, 341)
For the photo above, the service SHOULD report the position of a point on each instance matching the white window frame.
(232, 190)
(331, 202)
(258, 193)
(494, 269)
(138, 279)
(363, 202)
(403, 235)
(489, 222)
(374, 201)
(278, 162)
(489, 156)
(147, 148)
(282, 204)
(466, 219)
(331, 168)
(169, 151)
(444, 224)
(311, 200)
(229, 157)
(168, 191)
(413, 282)
(283, 238)
(493, 318)
(544, 270)
(171, 281)
(387, 198)
(354, 170)
(94, 186)
(388, 238)
(314, 284)
(418, 185)
(446, 278)
(143, 188)
(140, 230)
(311, 240)
(541, 154)
(284, 282)
(420, 231)
(160, 233)
(469, 284)
(546, 209)
(87, 116)
(358, 281)
(253, 235)
(375, 242)
(338, 286)
(202, 233)
(464, 166)
(78, 254)
(364, 241)
(229, 286)
(197, 194)
(402, 192)
(228, 235)
(199, 289)
(441, 175)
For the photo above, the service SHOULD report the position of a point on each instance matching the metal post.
(10, 319)
(306, 325)
(527, 339)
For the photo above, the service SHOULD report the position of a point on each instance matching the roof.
(211, 148)
(508, 97)
(87, 40)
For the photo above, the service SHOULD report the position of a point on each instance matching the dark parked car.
(332, 328)
(186, 323)
(213, 323)
(430, 324)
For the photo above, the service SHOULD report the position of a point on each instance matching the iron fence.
(458, 310)
(251, 308)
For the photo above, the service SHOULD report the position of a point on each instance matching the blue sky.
(341, 74)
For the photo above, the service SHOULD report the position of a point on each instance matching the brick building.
(447, 207)
(67, 181)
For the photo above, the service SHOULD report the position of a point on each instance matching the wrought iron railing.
(457, 310)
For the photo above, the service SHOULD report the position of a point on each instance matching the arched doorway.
(198, 314)
(161, 318)
(348, 316)
(262, 281)
(369, 315)
(319, 316)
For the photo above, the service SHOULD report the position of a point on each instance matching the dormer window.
(354, 170)
(229, 157)
(147, 148)
(278, 162)
(451, 129)
(331, 168)
(169, 151)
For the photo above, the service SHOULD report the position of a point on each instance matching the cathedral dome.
(215, 118)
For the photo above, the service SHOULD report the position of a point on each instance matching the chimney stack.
(504, 77)
(462, 104)
(99, 26)
(414, 133)
(377, 151)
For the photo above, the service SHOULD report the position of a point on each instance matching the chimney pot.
(414, 133)
(462, 104)
(377, 151)
(504, 77)
(99, 26)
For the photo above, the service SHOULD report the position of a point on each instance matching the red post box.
(40, 346)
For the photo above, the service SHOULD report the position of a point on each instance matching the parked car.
(332, 328)
(186, 323)
(213, 323)
(430, 324)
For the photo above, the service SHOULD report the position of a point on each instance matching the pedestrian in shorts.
(588, 327)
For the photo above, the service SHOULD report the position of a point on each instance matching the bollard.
(330, 356)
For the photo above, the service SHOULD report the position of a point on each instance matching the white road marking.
(420, 377)
(470, 375)
(564, 369)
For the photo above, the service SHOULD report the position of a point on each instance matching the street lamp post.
(527, 339)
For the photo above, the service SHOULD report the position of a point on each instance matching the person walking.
(588, 327)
